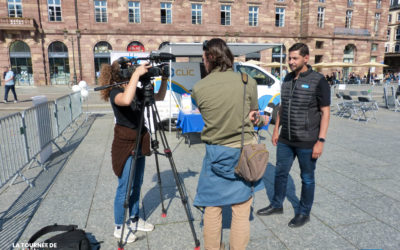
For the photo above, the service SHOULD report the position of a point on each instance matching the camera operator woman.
(126, 107)
(219, 98)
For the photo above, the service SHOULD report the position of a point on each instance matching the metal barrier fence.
(13, 154)
(26, 135)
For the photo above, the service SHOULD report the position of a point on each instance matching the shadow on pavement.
(268, 181)
(169, 192)
(16, 218)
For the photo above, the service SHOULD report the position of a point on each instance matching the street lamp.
(71, 38)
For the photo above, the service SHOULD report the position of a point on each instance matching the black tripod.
(148, 102)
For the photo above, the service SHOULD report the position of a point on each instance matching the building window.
(321, 17)
(389, 18)
(253, 16)
(397, 48)
(378, 4)
(374, 47)
(349, 14)
(350, 3)
(58, 63)
(321, 1)
(398, 34)
(196, 13)
(166, 13)
(225, 15)
(54, 10)
(21, 63)
(135, 46)
(100, 11)
(280, 17)
(377, 18)
(134, 12)
(14, 8)
(388, 34)
(319, 44)
(102, 54)
(386, 48)
(318, 58)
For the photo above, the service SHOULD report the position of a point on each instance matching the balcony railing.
(17, 23)
(351, 32)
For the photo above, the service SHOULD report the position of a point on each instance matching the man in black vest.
(304, 117)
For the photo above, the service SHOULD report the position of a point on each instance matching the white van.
(185, 75)
(268, 86)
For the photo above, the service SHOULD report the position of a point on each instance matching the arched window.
(135, 46)
(397, 48)
(58, 63)
(21, 63)
(102, 52)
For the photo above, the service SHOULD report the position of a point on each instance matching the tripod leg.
(154, 146)
(131, 175)
(177, 178)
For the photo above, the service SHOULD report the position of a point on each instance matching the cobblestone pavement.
(357, 200)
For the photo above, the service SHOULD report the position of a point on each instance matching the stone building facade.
(51, 41)
(392, 45)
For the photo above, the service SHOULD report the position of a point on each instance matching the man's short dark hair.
(301, 47)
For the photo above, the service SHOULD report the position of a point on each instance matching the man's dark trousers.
(285, 155)
(7, 89)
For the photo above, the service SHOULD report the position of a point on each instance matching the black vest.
(300, 117)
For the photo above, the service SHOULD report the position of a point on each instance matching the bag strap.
(53, 228)
(244, 80)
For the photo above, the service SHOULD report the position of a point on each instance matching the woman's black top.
(127, 116)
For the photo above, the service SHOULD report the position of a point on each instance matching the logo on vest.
(305, 86)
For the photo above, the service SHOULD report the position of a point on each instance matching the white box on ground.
(43, 121)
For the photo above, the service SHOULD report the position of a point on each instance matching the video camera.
(129, 65)
(157, 60)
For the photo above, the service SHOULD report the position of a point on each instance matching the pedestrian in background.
(219, 98)
(9, 84)
(304, 117)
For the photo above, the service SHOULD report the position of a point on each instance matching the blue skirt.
(218, 184)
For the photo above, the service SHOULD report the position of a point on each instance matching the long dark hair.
(218, 54)
(109, 74)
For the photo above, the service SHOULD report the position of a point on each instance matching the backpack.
(71, 239)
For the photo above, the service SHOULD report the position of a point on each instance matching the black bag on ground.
(72, 239)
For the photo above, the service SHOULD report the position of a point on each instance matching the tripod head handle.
(110, 85)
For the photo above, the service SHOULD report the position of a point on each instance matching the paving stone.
(383, 208)
(371, 235)
(333, 211)
(356, 201)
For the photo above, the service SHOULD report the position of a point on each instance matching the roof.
(196, 49)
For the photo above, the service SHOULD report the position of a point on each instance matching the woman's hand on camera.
(141, 70)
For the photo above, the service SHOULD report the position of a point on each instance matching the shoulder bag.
(253, 157)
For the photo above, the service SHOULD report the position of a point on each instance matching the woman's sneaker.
(129, 237)
(140, 225)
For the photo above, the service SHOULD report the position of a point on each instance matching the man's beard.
(298, 68)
